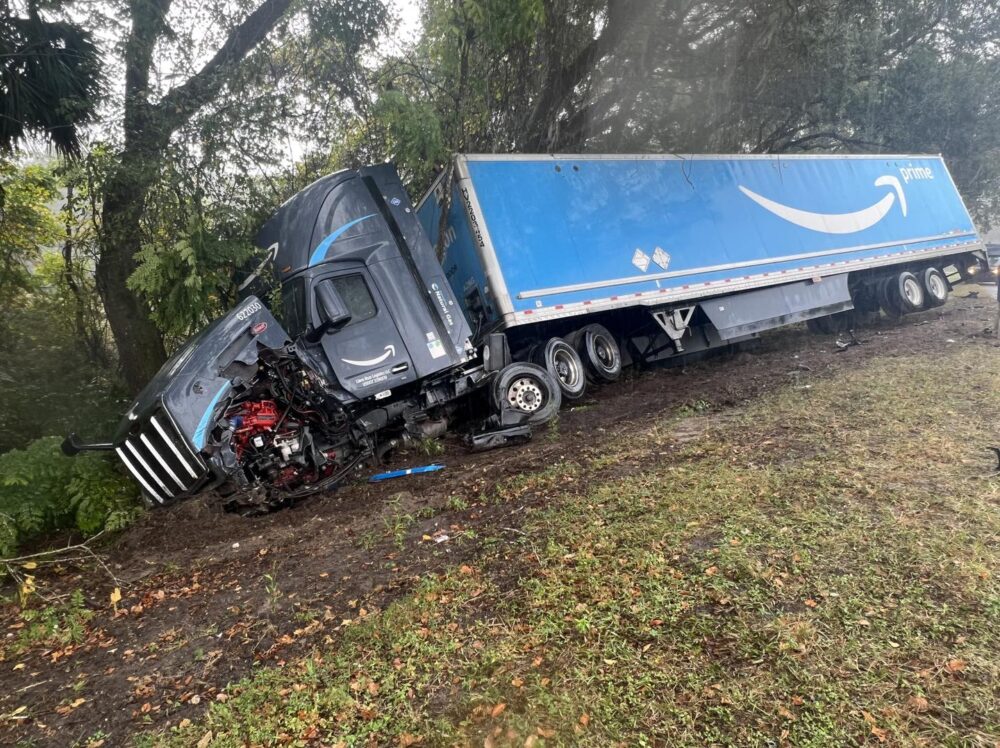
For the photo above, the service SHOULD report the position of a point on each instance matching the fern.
(42, 491)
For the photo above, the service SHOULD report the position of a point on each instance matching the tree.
(50, 77)
(147, 128)
(152, 119)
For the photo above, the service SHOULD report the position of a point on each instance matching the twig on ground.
(71, 553)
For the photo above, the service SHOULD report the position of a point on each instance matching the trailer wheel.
(600, 353)
(908, 292)
(561, 360)
(886, 298)
(526, 389)
(935, 287)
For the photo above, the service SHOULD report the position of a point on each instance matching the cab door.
(367, 353)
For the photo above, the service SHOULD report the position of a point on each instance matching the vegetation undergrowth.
(43, 491)
(817, 569)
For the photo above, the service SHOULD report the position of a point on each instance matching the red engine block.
(251, 419)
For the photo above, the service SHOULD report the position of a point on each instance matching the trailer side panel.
(574, 234)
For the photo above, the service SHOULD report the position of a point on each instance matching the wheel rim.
(605, 355)
(936, 286)
(525, 395)
(567, 369)
(912, 291)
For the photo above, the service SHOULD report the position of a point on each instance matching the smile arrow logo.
(390, 350)
(837, 223)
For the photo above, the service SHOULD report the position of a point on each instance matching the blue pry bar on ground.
(408, 471)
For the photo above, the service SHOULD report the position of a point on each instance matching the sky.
(408, 13)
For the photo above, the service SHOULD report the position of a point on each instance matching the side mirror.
(333, 313)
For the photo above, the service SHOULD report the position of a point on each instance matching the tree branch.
(180, 103)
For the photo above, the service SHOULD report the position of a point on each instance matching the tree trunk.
(140, 345)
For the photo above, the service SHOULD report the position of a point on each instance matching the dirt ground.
(208, 596)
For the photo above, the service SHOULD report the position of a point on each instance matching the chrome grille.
(159, 458)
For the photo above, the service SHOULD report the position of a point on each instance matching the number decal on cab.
(250, 309)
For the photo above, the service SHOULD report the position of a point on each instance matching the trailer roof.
(683, 156)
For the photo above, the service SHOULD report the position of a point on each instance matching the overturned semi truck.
(556, 272)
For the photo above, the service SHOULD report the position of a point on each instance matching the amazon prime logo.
(837, 223)
(390, 350)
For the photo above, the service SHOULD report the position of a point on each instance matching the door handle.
(399, 368)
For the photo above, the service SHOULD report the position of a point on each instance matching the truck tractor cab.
(367, 347)
(361, 290)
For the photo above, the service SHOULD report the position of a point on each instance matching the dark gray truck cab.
(368, 341)
(356, 232)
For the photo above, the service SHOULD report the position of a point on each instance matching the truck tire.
(908, 292)
(526, 389)
(564, 364)
(600, 353)
(935, 287)
(887, 300)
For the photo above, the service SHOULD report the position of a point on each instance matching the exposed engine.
(287, 437)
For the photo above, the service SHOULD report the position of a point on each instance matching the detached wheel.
(600, 353)
(529, 390)
(907, 292)
(935, 287)
(564, 364)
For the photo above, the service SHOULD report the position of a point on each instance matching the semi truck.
(516, 283)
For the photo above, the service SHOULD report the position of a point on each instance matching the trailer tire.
(526, 389)
(600, 353)
(564, 364)
(886, 298)
(908, 292)
(935, 287)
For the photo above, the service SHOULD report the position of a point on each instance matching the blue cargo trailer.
(676, 253)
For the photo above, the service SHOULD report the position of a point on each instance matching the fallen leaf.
(955, 666)
(584, 719)
(408, 739)
(498, 710)
(19, 666)
(711, 571)
(205, 740)
(29, 565)
(786, 714)
(880, 733)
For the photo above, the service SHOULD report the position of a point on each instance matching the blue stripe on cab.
(319, 254)
(201, 433)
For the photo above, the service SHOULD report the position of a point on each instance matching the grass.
(817, 569)
(56, 624)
